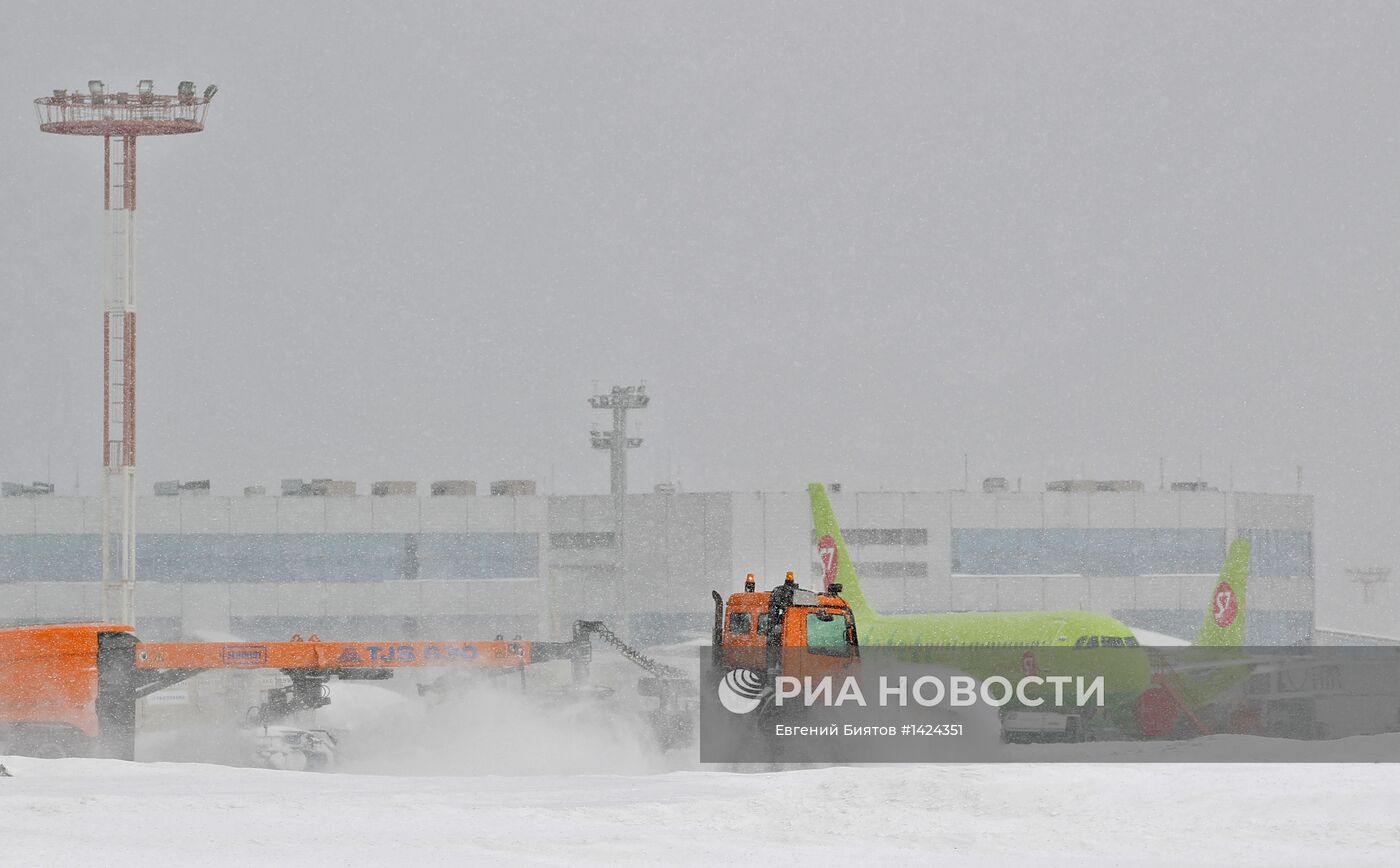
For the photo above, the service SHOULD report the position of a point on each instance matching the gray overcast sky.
(839, 242)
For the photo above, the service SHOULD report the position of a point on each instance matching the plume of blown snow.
(479, 725)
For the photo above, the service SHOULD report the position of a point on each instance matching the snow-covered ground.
(489, 777)
(86, 812)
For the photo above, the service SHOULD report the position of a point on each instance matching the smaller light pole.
(619, 401)
(1368, 578)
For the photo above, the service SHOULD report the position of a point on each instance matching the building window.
(883, 569)
(1087, 551)
(1279, 553)
(882, 536)
(478, 555)
(51, 558)
(602, 540)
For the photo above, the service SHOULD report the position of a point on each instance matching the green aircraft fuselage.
(1012, 644)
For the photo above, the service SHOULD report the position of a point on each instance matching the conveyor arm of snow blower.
(335, 656)
(71, 689)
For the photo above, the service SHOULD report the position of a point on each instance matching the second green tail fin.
(835, 561)
(1224, 621)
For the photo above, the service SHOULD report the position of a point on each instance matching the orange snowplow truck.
(789, 630)
(71, 689)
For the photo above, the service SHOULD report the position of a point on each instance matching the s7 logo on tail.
(831, 559)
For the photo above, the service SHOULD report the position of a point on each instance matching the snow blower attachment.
(71, 689)
(672, 721)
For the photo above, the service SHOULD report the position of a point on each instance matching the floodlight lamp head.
(96, 87)
(210, 91)
(186, 88)
(146, 87)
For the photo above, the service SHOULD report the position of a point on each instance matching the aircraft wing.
(1158, 640)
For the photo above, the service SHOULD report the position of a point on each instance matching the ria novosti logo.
(741, 690)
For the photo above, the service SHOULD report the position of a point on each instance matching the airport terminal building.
(395, 564)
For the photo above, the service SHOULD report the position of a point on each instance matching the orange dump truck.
(71, 689)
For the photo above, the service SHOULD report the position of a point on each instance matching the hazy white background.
(844, 243)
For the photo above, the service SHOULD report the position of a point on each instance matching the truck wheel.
(47, 742)
(1074, 730)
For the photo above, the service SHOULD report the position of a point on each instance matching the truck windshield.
(827, 636)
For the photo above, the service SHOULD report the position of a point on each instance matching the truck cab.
(789, 630)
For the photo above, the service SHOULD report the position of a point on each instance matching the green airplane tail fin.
(835, 561)
(1224, 621)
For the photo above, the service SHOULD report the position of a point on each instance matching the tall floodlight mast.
(120, 119)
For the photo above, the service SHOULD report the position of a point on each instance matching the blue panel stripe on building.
(313, 557)
(1123, 551)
